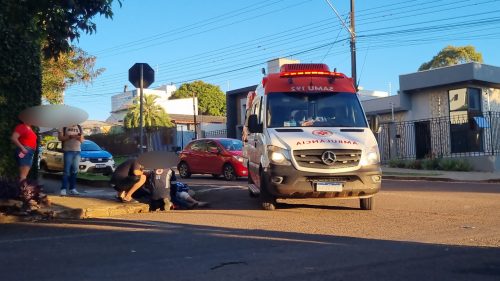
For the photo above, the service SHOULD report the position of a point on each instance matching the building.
(452, 111)
(122, 101)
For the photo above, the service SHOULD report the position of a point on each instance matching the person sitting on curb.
(127, 179)
(182, 199)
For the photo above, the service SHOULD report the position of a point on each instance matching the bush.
(430, 164)
(397, 163)
(454, 165)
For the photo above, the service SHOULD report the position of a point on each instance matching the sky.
(228, 42)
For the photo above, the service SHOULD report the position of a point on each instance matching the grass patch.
(120, 159)
(93, 177)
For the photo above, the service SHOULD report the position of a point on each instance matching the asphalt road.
(418, 231)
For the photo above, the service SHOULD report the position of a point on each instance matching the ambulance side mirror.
(375, 124)
(253, 124)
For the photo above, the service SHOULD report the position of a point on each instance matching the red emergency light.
(308, 69)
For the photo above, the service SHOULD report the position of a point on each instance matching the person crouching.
(127, 179)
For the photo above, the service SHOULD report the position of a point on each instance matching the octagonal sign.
(148, 75)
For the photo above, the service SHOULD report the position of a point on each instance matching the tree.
(211, 100)
(24, 25)
(153, 116)
(69, 68)
(451, 55)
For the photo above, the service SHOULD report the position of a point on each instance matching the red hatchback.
(217, 156)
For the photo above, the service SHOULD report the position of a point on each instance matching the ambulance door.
(254, 142)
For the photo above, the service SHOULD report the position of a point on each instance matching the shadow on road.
(107, 249)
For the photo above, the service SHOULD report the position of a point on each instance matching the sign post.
(141, 75)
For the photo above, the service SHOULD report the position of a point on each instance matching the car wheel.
(184, 170)
(228, 172)
(215, 176)
(268, 201)
(366, 203)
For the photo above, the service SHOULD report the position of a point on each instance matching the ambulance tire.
(268, 201)
(366, 203)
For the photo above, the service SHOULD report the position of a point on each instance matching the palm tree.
(153, 116)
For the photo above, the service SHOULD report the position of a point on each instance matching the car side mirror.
(253, 124)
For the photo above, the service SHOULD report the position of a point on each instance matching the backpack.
(79, 128)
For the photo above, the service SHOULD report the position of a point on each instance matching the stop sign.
(134, 75)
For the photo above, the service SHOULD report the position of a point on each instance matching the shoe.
(131, 201)
(63, 192)
(74, 192)
(203, 204)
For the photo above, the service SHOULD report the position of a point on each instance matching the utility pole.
(352, 32)
(194, 117)
(353, 48)
(141, 109)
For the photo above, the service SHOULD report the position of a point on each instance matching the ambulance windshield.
(314, 110)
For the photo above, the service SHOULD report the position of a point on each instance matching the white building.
(122, 101)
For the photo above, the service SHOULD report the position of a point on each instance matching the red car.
(217, 156)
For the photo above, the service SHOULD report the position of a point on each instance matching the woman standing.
(25, 140)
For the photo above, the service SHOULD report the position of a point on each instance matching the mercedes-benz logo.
(328, 157)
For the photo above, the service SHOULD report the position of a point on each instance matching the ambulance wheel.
(184, 170)
(268, 201)
(366, 203)
(229, 172)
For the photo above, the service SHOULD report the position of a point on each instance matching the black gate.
(422, 139)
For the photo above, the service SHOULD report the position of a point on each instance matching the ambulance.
(306, 136)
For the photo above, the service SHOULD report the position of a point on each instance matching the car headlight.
(84, 159)
(370, 157)
(238, 158)
(278, 155)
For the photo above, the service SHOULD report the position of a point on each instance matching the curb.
(88, 213)
(437, 179)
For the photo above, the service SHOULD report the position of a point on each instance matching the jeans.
(71, 163)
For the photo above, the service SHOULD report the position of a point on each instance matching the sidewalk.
(97, 200)
(94, 202)
(436, 175)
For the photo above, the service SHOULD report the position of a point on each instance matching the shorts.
(27, 159)
(125, 184)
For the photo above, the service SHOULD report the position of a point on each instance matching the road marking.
(227, 187)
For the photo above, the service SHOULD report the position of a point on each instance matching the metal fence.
(458, 135)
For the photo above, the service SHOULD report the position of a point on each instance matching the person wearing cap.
(25, 140)
(128, 178)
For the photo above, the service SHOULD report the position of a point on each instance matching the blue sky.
(226, 43)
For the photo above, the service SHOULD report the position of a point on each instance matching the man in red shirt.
(25, 140)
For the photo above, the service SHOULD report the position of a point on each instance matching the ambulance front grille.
(311, 158)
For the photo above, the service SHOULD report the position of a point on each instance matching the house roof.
(242, 90)
(467, 72)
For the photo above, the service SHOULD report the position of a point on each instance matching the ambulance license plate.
(329, 186)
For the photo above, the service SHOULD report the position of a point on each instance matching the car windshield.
(90, 146)
(325, 109)
(232, 145)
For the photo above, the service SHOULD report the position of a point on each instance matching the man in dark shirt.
(127, 179)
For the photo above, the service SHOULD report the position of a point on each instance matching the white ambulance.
(307, 136)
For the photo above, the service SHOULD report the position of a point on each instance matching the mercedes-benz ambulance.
(307, 136)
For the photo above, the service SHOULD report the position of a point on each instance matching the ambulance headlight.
(370, 157)
(278, 155)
